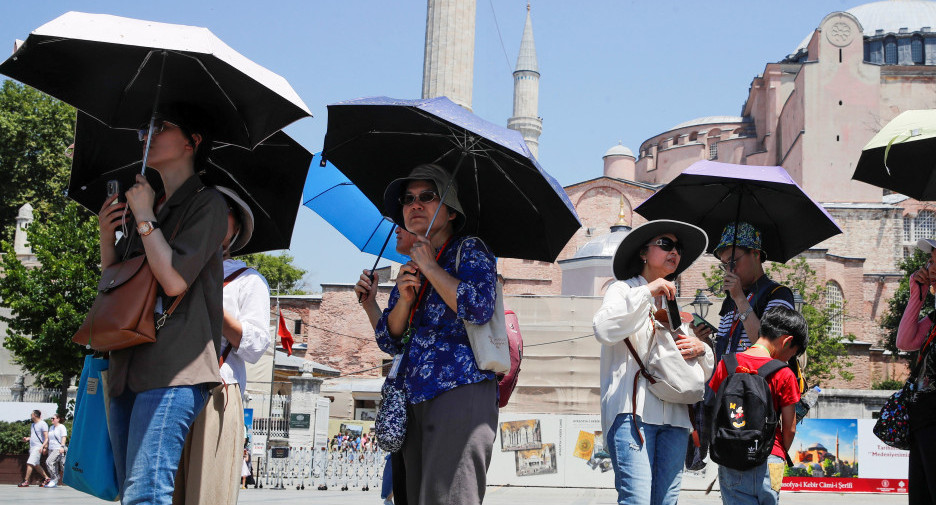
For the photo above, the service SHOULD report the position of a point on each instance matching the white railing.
(33, 395)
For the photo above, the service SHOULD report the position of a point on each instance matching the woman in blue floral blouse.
(452, 413)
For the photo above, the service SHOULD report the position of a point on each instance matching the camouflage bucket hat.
(749, 237)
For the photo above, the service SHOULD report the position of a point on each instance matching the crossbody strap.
(175, 303)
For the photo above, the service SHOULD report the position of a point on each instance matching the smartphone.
(697, 320)
(113, 188)
(672, 309)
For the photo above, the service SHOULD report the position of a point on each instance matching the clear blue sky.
(611, 69)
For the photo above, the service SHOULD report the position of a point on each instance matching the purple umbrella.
(710, 195)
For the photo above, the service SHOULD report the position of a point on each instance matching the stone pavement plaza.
(495, 496)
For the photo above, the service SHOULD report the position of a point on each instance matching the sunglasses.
(668, 244)
(159, 126)
(423, 197)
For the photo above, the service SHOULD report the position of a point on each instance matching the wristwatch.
(144, 228)
(744, 315)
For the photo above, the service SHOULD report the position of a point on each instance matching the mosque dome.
(603, 246)
(890, 16)
(709, 120)
(619, 150)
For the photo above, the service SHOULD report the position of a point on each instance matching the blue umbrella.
(331, 195)
(517, 208)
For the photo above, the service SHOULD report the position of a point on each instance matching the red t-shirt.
(783, 387)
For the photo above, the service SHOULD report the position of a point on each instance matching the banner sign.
(829, 455)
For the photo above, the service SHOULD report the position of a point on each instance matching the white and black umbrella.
(119, 70)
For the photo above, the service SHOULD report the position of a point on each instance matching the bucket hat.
(926, 245)
(245, 216)
(749, 237)
(426, 172)
(627, 263)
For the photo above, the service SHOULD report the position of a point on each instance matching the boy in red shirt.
(783, 335)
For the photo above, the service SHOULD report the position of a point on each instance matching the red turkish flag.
(286, 338)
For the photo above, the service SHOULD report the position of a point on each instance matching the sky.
(611, 70)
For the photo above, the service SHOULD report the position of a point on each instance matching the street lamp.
(798, 301)
(701, 303)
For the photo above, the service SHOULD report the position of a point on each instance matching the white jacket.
(624, 314)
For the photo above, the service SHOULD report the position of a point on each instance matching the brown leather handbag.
(123, 314)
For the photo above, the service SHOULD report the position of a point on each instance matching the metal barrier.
(323, 469)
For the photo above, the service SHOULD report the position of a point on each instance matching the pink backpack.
(507, 381)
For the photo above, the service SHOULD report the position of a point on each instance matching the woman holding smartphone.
(912, 335)
(158, 389)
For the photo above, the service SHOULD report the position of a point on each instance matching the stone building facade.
(811, 112)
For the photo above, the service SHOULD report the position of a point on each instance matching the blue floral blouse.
(439, 357)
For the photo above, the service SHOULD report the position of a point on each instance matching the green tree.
(278, 270)
(896, 305)
(825, 352)
(35, 131)
(49, 302)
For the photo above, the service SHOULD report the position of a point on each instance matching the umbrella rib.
(203, 67)
(327, 190)
(243, 188)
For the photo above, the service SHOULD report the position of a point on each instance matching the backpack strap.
(731, 364)
(771, 367)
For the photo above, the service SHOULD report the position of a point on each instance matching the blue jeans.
(752, 486)
(648, 473)
(386, 486)
(147, 431)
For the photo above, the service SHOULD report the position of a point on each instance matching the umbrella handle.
(370, 276)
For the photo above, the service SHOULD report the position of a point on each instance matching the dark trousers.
(448, 445)
(922, 472)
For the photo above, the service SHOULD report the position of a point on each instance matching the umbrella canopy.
(902, 156)
(115, 68)
(269, 178)
(710, 195)
(510, 201)
(331, 195)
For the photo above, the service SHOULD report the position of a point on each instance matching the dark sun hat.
(627, 262)
(425, 172)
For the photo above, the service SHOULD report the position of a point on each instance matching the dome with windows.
(890, 17)
(709, 120)
(603, 246)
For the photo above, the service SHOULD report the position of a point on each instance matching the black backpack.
(744, 421)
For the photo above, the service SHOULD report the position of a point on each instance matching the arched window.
(924, 224)
(916, 50)
(834, 302)
(890, 51)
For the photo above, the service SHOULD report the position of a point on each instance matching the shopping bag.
(89, 463)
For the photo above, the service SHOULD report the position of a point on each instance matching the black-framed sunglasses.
(423, 197)
(159, 126)
(668, 244)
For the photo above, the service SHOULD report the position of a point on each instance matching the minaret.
(23, 219)
(526, 118)
(448, 66)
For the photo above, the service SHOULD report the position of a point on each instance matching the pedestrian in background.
(58, 435)
(38, 443)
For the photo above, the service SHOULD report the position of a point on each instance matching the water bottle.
(807, 401)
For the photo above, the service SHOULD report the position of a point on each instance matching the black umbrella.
(269, 178)
(902, 156)
(120, 69)
(710, 195)
(511, 202)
